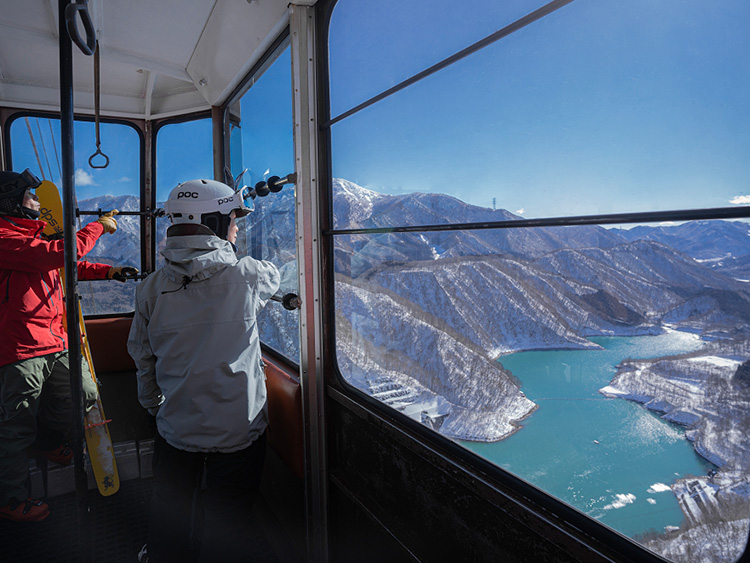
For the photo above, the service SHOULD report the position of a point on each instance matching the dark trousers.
(35, 411)
(200, 508)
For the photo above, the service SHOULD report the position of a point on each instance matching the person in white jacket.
(195, 344)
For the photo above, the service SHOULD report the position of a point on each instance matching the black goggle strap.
(26, 181)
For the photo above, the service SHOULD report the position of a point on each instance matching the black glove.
(121, 273)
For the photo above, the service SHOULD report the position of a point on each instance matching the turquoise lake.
(610, 458)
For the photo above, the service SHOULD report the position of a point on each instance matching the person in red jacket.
(35, 402)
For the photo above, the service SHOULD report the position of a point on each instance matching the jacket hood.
(196, 256)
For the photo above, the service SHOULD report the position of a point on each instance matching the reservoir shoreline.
(602, 473)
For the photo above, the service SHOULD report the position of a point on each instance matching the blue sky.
(183, 152)
(120, 143)
(603, 106)
(267, 124)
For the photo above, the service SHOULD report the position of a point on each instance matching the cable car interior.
(514, 247)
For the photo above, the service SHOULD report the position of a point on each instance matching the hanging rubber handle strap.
(97, 94)
(82, 7)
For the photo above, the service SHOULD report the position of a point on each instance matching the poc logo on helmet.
(180, 195)
(224, 200)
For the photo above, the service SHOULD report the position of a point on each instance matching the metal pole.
(312, 380)
(71, 271)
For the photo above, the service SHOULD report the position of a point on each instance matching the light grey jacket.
(196, 346)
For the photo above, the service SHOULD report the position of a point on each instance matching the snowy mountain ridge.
(480, 293)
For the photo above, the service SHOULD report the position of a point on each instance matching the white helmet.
(207, 202)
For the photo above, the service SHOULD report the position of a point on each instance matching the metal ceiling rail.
(611, 219)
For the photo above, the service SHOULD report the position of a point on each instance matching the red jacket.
(31, 298)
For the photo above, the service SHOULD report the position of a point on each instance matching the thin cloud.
(521, 211)
(124, 179)
(740, 200)
(83, 178)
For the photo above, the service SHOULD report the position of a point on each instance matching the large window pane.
(612, 375)
(261, 126)
(606, 366)
(600, 107)
(35, 144)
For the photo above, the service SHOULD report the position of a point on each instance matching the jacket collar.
(22, 224)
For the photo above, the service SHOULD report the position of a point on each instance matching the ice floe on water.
(659, 488)
(621, 500)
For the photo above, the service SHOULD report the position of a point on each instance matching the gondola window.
(540, 230)
(35, 144)
(261, 148)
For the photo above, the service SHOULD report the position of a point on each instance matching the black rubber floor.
(114, 531)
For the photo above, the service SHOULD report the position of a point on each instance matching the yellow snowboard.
(98, 440)
(51, 211)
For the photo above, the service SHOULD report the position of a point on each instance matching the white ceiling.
(158, 57)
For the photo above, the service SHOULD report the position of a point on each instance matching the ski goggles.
(25, 181)
(247, 195)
